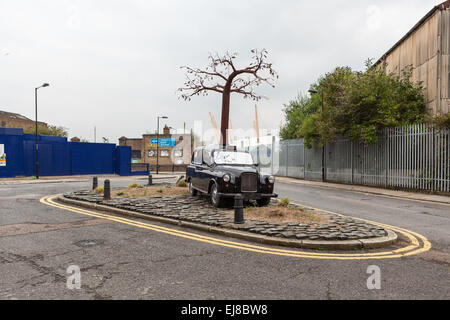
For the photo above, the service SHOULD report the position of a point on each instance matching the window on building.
(178, 153)
(135, 154)
(164, 153)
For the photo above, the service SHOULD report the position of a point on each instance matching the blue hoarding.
(57, 156)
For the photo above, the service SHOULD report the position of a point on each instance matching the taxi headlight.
(226, 178)
(271, 179)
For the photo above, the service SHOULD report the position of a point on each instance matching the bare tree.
(222, 76)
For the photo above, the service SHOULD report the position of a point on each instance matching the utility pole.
(323, 147)
(36, 125)
(157, 144)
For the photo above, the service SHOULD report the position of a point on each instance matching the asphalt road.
(118, 261)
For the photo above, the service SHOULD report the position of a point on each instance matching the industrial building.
(174, 150)
(426, 47)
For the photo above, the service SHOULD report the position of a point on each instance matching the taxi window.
(207, 157)
(198, 156)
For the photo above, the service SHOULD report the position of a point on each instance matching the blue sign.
(167, 142)
(154, 141)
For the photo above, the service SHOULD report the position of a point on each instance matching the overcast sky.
(115, 64)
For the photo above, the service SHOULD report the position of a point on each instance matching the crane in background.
(230, 133)
(230, 130)
(214, 124)
(256, 124)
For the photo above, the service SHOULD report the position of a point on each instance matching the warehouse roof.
(443, 6)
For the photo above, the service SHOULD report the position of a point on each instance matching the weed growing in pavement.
(182, 183)
(284, 202)
(99, 190)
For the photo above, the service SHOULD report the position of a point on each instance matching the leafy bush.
(284, 202)
(99, 190)
(133, 185)
(47, 130)
(182, 183)
(296, 111)
(442, 121)
(357, 104)
(120, 193)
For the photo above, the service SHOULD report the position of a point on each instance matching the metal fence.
(410, 157)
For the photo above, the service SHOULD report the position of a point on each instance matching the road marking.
(367, 193)
(413, 248)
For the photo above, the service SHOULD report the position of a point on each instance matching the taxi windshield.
(233, 157)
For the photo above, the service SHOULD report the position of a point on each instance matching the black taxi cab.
(223, 173)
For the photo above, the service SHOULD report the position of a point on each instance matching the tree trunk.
(225, 119)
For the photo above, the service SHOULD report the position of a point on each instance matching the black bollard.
(150, 180)
(107, 190)
(94, 183)
(239, 209)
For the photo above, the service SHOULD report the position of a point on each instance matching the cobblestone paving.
(199, 210)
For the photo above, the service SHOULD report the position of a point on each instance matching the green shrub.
(99, 190)
(182, 183)
(133, 185)
(120, 193)
(160, 190)
(284, 202)
(358, 104)
(442, 121)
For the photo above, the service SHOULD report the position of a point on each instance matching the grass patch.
(280, 214)
(284, 202)
(182, 183)
(134, 185)
(99, 190)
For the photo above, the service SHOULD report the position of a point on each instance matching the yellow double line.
(414, 247)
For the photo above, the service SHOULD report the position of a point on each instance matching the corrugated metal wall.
(427, 51)
(57, 156)
(445, 62)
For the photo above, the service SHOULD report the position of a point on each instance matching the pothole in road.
(89, 243)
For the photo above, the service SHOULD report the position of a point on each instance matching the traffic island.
(298, 227)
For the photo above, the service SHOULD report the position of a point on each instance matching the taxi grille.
(249, 182)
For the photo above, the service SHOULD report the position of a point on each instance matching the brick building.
(15, 120)
(174, 150)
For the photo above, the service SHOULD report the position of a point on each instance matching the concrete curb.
(305, 244)
(372, 190)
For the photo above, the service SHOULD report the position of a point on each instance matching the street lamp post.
(36, 127)
(157, 144)
(323, 147)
